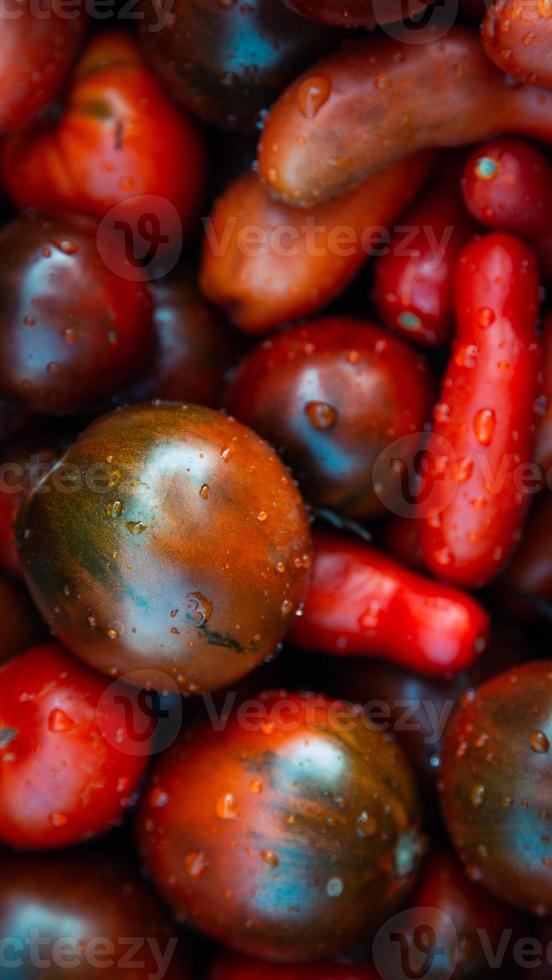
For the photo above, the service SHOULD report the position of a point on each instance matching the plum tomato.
(288, 835)
(35, 53)
(72, 329)
(182, 547)
(527, 584)
(20, 624)
(231, 966)
(192, 346)
(74, 914)
(228, 61)
(68, 769)
(116, 139)
(544, 426)
(496, 785)
(330, 396)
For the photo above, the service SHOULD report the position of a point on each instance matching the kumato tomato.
(357, 13)
(20, 624)
(82, 914)
(37, 45)
(288, 835)
(72, 328)
(228, 61)
(331, 396)
(182, 548)
(234, 967)
(497, 785)
(69, 765)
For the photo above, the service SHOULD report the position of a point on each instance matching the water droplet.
(59, 721)
(204, 492)
(409, 321)
(539, 742)
(367, 825)
(196, 864)
(198, 609)
(486, 168)
(484, 426)
(136, 527)
(158, 797)
(286, 607)
(58, 819)
(321, 415)
(485, 316)
(226, 807)
(270, 858)
(334, 887)
(477, 794)
(462, 469)
(313, 93)
(262, 516)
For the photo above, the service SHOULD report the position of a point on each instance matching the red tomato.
(484, 422)
(68, 766)
(507, 184)
(544, 429)
(414, 282)
(118, 137)
(527, 584)
(35, 53)
(233, 967)
(362, 602)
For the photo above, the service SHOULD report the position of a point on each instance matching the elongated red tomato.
(362, 602)
(414, 281)
(484, 423)
(544, 431)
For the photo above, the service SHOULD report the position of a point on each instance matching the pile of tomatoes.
(275, 490)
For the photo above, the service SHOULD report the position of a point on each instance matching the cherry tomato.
(21, 625)
(288, 835)
(363, 603)
(228, 61)
(73, 329)
(35, 53)
(68, 767)
(414, 280)
(507, 184)
(181, 551)
(357, 13)
(118, 138)
(377, 99)
(296, 261)
(75, 914)
(518, 37)
(484, 422)
(233, 967)
(496, 785)
(331, 395)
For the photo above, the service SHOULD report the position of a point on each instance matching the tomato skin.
(73, 330)
(363, 603)
(21, 626)
(486, 414)
(496, 789)
(355, 13)
(544, 425)
(67, 768)
(518, 37)
(91, 901)
(507, 184)
(230, 966)
(227, 62)
(173, 536)
(372, 86)
(35, 53)
(528, 580)
(289, 835)
(414, 293)
(331, 395)
(260, 288)
(118, 137)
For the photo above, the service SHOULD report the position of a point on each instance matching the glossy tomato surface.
(82, 914)
(182, 549)
(73, 329)
(331, 396)
(497, 785)
(288, 835)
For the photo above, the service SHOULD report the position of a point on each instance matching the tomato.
(228, 61)
(21, 625)
(287, 835)
(73, 329)
(182, 549)
(484, 422)
(192, 347)
(266, 263)
(35, 53)
(377, 99)
(331, 395)
(527, 583)
(414, 280)
(356, 13)
(363, 603)
(68, 768)
(118, 138)
(75, 914)
(507, 184)
(233, 967)
(544, 425)
(497, 785)
(518, 37)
